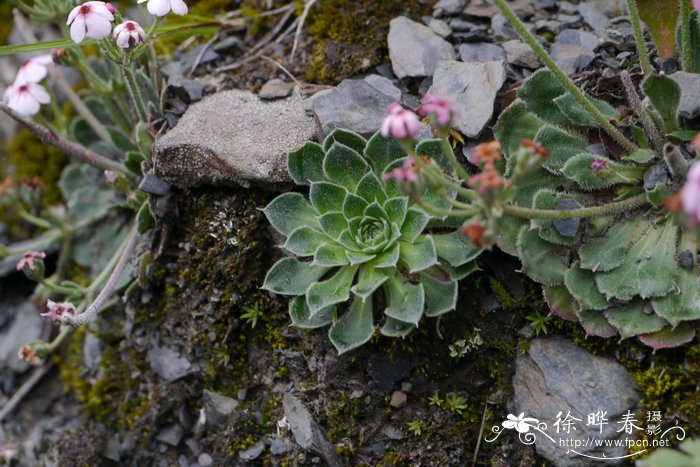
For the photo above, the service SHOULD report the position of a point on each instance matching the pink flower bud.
(598, 164)
(400, 123)
(690, 196)
(27, 259)
(406, 173)
(441, 108)
(110, 176)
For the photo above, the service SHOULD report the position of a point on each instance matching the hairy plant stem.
(34, 220)
(135, 92)
(657, 139)
(642, 51)
(453, 159)
(594, 211)
(686, 46)
(116, 266)
(565, 81)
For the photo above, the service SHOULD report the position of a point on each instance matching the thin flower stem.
(594, 211)
(453, 159)
(633, 13)
(444, 212)
(37, 221)
(135, 93)
(58, 340)
(123, 255)
(562, 78)
(686, 46)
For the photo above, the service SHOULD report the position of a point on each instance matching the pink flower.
(91, 19)
(110, 176)
(27, 259)
(26, 99)
(441, 108)
(690, 196)
(33, 70)
(696, 4)
(405, 173)
(129, 34)
(163, 7)
(57, 310)
(400, 123)
(598, 164)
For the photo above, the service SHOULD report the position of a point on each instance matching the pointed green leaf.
(460, 272)
(418, 255)
(388, 258)
(514, 125)
(608, 252)
(358, 258)
(577, 115)
(538, 93)
(396, 209)
(301, 316)
(369, 280)
(332, 291)
(291, 277)
(578, 169)
(371, 189)
(395, 328)
(632, 319)
(657, 268)
(406, 301)
(333, 224)
(455, 248)
(581, 284)
(354, 328)
(344, 166)
(347, 137)
(561, 145)
(347, 239)
(381, 152)
(641, 156)
(376, 211)
(327, 196)
(304, 241)
(290, 211)
(414, 224)
(329, 255)
(120, 140)
(665, 94)
(306, 164)
(440, 296)
(435, 150)
(540, 259)
(354, 206)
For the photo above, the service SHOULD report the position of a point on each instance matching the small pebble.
(398, 399)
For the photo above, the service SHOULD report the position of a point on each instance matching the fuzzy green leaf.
(440, 296)
(641, 156)
(374, 210)
(413, 224)
(388, 258)
(538, 93)
(668, 338)
(581, 284)
(608, 252)
(562, 146)
(435, 150)
(381, 152)
(369, 280)
(683, 304)
(347, 137)
(514, 125)
(332, 291)
(291, 277)
(371, 189)
(306, 164)
(327, 196)
(333, 224)
(665, 94)
(121, 140)
(460, 272)
(304, 241)
(540, 259)
(632, 319)
(657, 268)
(455, 248)
(344, 166)
(354, 328)
(418, 255)
(301, 316)
(577, 115)
(406, 301)
(595, 324)
(560, 302)
(508, 228)
(396, 209)
(290, 211)
(578, 169)
(359, 258)
(330, 255)
(354, 206)
(547, 199)
(395, 328)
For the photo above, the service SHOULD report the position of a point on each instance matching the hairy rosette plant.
(359, 233)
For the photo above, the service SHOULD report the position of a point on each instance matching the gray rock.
(307, 434)
(483, 52)
(556, 376)
(575, 37)
(568, 20)
(188, 89)
(233, 138)
(502, 30)
(92, 351)
(440, 27)
(592, 15)
(393, 433)
(567, 227)
(353, 104)
(112, 450)
(252, 452)
(154, 186)
(275, 89)
(217, 408)
(571, 59)
(690, 93)
(461, 25)
(398, 399)
(521, 54)
(168, 364)
(566, 8)
(279, 447)
(415, 49)
(384, 85)
(25, 327)
(171, 435)
(450, 7)
(655, 175)
(205, 460)
(472, 88)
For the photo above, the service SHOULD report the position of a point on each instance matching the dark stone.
(668, 65)
(154, 186)
(217, 408)
(386, 372)
(188, 60)
(655, 175)
(567, 227)
(685, 259)
(545, 4)
(307, 434)
(171, 435)
(597, 149)
(187, 89)
(489, 303)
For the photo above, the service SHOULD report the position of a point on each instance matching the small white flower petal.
(73, 14)
(39, 93)
(26, 105)
(158, 7)
(97, 27)
(179, 7)
(77, 29)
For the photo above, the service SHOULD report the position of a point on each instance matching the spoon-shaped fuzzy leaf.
(371, 189)
(657, 268)
(333, 224)
(418, 255)
(561, 145)
(395, 328)
(291, 277)
(435, 150)
(354, 328)
(326, 196)
(304, 241)
(514, 125)
(369, 279)
(581, 283)
(669, 337)
(560, 302)
(331, 291)
(381, 152)
(579, 169)
(301, 316)
(347, 137)
(608, 252)
(406, 301)
(440, 296)
(455, 248)
(414, 224)
(538, 94)
(354, 206)
(539, 258)
(683, 304)
(330, 255)
(632, 319)
(290, 211)
(306, 164)
(665, 94)
(344, 166)
(595, 324)
(578, 116)
(389, 257)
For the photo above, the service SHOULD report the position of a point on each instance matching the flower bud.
(32, 265)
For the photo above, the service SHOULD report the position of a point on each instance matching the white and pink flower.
(33, 70)
(400, 123)
(91, 19)
(129, 34)
(26, 99)
(27, 259)
(57, 310)
(690, 196)
(441, 108)
(163, 7)
(405, 174)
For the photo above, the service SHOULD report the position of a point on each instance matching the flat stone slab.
(233, 138)
(415, 49)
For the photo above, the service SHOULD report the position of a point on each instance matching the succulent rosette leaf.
(630, 274)
(357, 235)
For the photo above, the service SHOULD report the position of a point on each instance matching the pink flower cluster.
(402, 123)
(405, 174)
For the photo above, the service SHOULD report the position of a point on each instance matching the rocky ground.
(176, 376)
